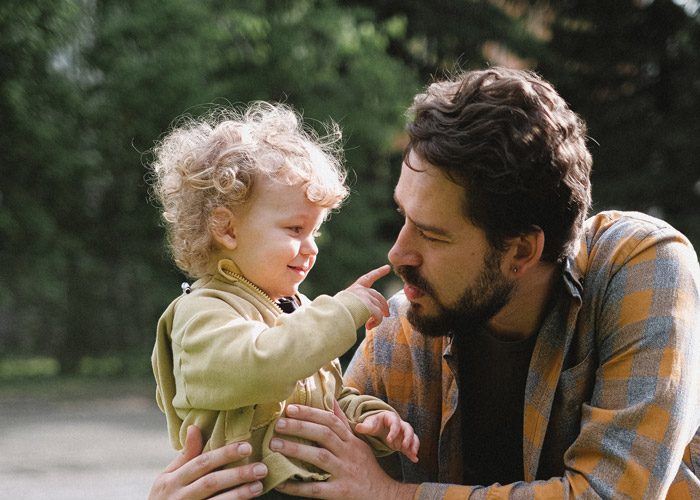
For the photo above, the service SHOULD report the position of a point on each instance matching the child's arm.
(394, 431)
(228, 359)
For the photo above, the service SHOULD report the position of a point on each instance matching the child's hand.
(375, 301)
(397, 433)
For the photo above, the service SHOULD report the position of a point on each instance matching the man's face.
(452, 276)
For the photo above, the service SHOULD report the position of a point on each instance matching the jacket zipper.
(255, 287)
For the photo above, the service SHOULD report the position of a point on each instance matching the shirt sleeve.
(228, 361)
(357, 407)
(360, 372)
(645, 406)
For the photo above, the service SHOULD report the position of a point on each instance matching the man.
(535, 354)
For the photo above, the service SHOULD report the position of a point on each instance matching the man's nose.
(404, 251)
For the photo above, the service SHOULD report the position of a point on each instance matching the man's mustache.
(411, 276)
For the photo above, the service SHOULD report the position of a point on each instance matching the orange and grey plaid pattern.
(612, 404)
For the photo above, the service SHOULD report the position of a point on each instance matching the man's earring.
(515, 270)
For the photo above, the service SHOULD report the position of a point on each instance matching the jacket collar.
(554, 340)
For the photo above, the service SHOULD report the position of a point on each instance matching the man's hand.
(193, 476)
(355, 473)
(397, 433)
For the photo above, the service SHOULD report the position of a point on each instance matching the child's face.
(274, 238)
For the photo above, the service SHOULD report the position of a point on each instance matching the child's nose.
(309, 246)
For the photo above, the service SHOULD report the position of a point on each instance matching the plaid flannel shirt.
(612, 403)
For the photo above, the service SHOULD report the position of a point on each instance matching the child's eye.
(317, 234)
(295, 229)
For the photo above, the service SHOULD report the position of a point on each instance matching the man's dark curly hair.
(515, 147)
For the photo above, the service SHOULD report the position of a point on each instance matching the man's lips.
(412, 293)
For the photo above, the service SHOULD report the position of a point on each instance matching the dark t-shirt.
(492, 377)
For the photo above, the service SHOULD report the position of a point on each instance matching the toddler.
(244, 194)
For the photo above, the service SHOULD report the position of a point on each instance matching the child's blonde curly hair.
(215, 161)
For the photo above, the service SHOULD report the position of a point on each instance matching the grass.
(59, 388)
(37, 378)
(123, 364)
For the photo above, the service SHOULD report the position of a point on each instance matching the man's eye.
(427, 238)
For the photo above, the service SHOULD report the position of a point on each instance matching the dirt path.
(96, 448)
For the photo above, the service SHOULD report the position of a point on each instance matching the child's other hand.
(397, 433)
(375, 301)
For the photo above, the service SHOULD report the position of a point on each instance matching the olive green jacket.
(228, 360)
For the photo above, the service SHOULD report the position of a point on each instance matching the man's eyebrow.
(428, 228)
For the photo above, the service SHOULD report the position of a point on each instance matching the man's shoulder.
(612, 239)
(616, 233)
(396, 322)
(396, 329)
(398, 303)
(614, 224)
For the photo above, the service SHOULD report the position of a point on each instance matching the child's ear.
(223, 227)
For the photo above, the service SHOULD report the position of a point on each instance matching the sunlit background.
(87, 87)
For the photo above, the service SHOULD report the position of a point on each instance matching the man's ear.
(525, 251)
(223, 227)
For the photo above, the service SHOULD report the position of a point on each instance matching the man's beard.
(473, 309)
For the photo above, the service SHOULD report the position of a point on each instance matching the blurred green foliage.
(87, 87)
(122, 365)
(39, 366)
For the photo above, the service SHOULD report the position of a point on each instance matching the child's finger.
(416, 446)
(378, 311)
(380, 302)
(368, 426)
(411, 449)
(372, 276)
(394, 430)
(374, 321)
(408, 435)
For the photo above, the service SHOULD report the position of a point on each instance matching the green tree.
(94, 85)
(631, 70)
(448, 35)
(42, 172)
